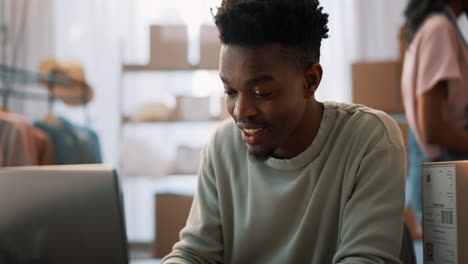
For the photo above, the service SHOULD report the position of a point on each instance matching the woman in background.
(435, 92)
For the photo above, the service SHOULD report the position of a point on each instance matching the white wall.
(35, 43)
(376, 27)
(88, 30)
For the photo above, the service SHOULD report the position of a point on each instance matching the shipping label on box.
(445, 211)
(440, 214)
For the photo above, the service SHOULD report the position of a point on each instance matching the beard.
(260, 155)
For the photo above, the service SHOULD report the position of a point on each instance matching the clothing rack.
(24, 95)
(17, 75)
(11, 75)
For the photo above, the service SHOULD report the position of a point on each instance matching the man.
(290, 179)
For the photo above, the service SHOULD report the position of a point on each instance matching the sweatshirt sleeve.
(201, 238)
(373, 217)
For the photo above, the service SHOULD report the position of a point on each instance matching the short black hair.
(417, 11)
(298, 25)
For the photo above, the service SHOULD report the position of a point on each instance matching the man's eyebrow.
(259, 79)
(252, 81)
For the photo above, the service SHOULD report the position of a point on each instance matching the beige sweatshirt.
(340, 201)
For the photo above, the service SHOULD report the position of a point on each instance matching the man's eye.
(230, 92)
(263, 94)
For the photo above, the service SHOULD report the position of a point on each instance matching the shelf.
(148, 68)
(159, 123)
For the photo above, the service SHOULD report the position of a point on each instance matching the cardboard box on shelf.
(171, 216)
(377, 85)
(209, 47)
(168, 47)
(445, 218)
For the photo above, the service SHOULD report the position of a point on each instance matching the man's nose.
(245, 107)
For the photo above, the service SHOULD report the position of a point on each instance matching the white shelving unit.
(148, 149)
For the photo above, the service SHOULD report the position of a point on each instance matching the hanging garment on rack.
(90, 142)
(21, 143)
(40, 147)
(72, 144)
(12, 142)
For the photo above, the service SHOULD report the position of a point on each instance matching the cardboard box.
(171, 216)
(209, 48)
(377, 85)
(169, 48)
(445, 214)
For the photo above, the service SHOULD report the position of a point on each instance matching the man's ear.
(313, 76)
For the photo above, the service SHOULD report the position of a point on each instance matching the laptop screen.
(61, 214)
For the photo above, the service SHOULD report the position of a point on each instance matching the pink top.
(438, 52)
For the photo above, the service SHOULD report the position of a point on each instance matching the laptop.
(61, 214)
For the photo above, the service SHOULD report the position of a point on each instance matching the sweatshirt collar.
(314, 149)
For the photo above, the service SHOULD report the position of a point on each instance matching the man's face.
(265, 97)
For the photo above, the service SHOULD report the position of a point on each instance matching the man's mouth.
(251, 131)
(253, 136)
